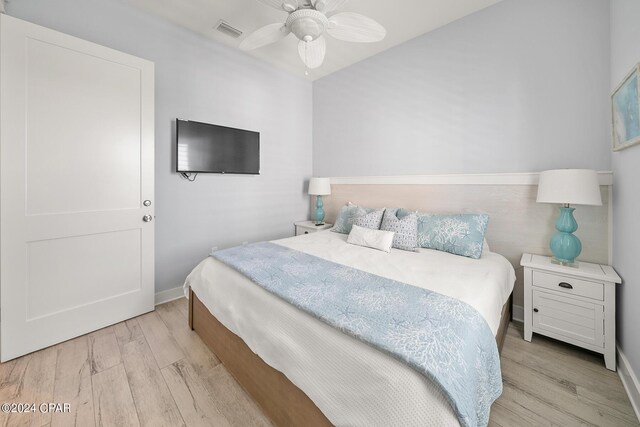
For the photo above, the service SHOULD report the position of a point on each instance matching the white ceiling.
(403, 21)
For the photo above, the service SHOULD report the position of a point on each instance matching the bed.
(302, 371)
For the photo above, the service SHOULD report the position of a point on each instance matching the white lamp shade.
(320, 186)
(571, 186)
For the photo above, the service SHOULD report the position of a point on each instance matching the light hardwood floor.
(154, 371)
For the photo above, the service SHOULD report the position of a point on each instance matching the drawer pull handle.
(535, 310)
(565, 285)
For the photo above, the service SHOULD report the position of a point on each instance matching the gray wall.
(201, 80)
(521, 86)
(625, 53)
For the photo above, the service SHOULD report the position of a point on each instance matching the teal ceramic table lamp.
(319, 187)
(567, 187)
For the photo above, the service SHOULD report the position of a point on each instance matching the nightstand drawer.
(300, 231)
(578, 320)
(569, 285)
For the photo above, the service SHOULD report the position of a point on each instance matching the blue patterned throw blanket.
(441, 337)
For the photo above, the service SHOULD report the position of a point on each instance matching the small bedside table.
(571, 304)
(308, 227)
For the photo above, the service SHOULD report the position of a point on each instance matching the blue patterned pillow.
(371, 220)
(346, 217)
(405, 229)
(459, 234)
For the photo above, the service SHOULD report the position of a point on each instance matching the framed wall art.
(625, 108)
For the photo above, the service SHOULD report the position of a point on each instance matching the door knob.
(147, 203)
(147, 218)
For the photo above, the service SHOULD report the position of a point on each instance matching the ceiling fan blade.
(263, 36)
(353, 27)
(286, 5)
(312, 53)
(328, 5)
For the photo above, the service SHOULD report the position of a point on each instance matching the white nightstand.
(571, 304)
(308, 227)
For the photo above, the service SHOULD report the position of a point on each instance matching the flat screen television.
(207, 148)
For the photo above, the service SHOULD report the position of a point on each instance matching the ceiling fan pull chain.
(306, 58)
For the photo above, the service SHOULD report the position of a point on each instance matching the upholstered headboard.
(518, 224)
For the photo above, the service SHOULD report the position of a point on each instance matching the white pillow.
(375, 239)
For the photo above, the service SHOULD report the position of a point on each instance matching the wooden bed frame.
(283, 402)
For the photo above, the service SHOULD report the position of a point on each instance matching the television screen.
(206, 148)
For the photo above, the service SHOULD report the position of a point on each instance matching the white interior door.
(76, 165)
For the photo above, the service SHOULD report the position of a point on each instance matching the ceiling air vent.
(227, 29)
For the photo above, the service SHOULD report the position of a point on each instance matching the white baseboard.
(517, 312)
(630, 381)
(169, 295)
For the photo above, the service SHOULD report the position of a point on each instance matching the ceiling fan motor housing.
(307, 24)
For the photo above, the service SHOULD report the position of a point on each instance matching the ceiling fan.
(308, 20)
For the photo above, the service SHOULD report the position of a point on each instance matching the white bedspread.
(351, 382)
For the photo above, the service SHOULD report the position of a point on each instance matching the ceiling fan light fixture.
(307, 22)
